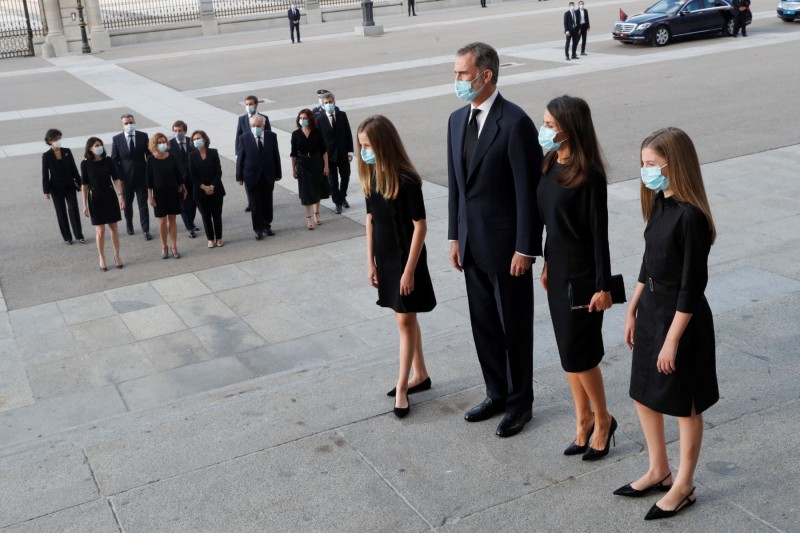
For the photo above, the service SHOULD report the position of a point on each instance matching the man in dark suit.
(335, 129)
(740, 21)
(243, 126)
(494, 165)
(583, 26)
(180, 146)
(129, 152)
(317, 109)
(258, 167)
(572, 31)
(294, 22)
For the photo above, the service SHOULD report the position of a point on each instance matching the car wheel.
(661, 36)
(729, 27)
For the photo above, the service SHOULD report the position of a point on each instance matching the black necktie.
(333, 121)
(260, 145)
(131, 146)
(471, 138)
(573, 18)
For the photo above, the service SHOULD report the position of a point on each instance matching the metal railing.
(20, 21)
(238, 8)
(131, 13)
(334, 3)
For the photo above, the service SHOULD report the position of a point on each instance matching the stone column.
(101, 40)
(207, 18)
(313, 12)
(55, 44)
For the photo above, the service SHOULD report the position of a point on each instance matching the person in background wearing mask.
(294, 22)
(102, 197)
(335, 129)
(181, 147)
(205, 171)
(583, 26)
(309, 164)
(494, 164)
(60, 183)
(129, 152)
(243, 126)
(166, 190)
(669, 325)
(320, 107)
(258, 167)
(571, 30)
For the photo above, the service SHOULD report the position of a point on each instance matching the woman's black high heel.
(592, 454)
(630, 492)
(657, 512)
(574, 449)
(400, 412)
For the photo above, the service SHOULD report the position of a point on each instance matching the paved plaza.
(243, 388)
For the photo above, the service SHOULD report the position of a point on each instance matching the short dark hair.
(486, 58)
(312, 121)
(251, 97)
(51, 134)
(180, 124)
(128, 115)
(203, 135)
(87, 153)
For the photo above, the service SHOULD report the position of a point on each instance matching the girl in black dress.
(60, 181)
(205, 172)
(673, 370)
(572, 204)
(396, 258)
(310, 164)
(102, 197)
(166, 189)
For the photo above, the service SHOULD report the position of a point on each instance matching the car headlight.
(643, 26)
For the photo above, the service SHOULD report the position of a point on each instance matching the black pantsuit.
(60, 179)
(67, 213)
(208, 171)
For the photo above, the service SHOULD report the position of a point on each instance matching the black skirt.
(310, 178)
(695, 378)
(104, 205)
(168, 202)
(390, 268)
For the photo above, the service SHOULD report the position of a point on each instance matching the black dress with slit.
(103, 202)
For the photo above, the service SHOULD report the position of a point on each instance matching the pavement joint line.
(115, 514)
(94, 477)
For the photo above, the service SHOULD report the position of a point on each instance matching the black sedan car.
(667, 19)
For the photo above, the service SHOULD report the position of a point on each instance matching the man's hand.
(455, 257)
(520, 264)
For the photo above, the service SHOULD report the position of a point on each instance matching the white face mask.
(56, 144)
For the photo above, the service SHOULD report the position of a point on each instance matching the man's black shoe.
(345, 204)
(485, 410)
(338, 209)
(147, 236)
(130, 230)
(259, 235)
(512, 423)
(247, 209)
(269, 232)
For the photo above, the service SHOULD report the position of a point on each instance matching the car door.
(691, 18)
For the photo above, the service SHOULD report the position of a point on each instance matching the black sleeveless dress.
(103, 199)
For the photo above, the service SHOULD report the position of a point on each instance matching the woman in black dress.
(396, 258)
(102, 197)
(572, 205)
(205, 172)
(673, 370)
(310, 165)
(166, 189)
(60, 183)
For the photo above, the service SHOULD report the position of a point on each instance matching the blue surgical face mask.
(180, 136)
(653, 178)
(256, 131)
(464, 89)
(130, 128)
(546, 136)
(329, 108)
(98, 150)
(250, 108)
(368, 156)
(162, 147)
(303, 122)
(198, 143)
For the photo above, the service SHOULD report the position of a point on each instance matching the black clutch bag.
(581, 292)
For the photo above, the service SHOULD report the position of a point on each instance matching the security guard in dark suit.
(740, 19)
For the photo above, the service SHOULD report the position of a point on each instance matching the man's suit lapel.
(460, 131)
(488, 133)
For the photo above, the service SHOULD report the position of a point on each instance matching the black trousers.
(411, 8)
(139, 189)
(67, 213)
(338, 180)
(740, 22)
(582, 34)
(188, 212)
(211, 212)
(501, 313)
(573, 37)
(261, 204)
(294, 28)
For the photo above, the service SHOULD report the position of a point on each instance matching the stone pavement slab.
(202, 310)
(174, 350)
(101, 333)
(93, 517)
(227, 337)
(62, 377)
(152, 322)
(120, 363)
(134, 297)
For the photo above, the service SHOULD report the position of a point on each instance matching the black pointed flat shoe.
(401, 412)
(574, 449)
(656, 512)
(630, 492)
(419, 387)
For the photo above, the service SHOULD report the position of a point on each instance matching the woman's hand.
(325, 170)
(85, 211)
(372, 275)
(152, 201)
(185, 191)
(406, 283)
(666, 357)
(600, 301)
(47, 196)
(543, 277)
(630, 329)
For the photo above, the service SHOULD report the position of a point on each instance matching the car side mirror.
(684, 12)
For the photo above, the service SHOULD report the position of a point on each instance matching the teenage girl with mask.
(102, 197)
(396, 257)
(165, 188)
(669, 325)
(309, 164)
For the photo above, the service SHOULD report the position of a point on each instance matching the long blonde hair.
(391, 159)
(685, 178)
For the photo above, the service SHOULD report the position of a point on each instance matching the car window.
(694, 5)
(665, 6)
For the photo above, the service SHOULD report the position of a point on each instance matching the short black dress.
(309, 151)
(675, 273)
(103, 200)
(576, 249)
(165, 177)
(392, 230)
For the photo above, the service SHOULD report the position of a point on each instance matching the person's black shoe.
(744, 34)
(147, 236)
(130, 230)
(593, 454)
(575, 57)
(338, 209)
(657, 512)
(345, 204)
(575, 449)
(419, 387)
(259, 235)
(567, 58)
(512, 423)
(630, 492)
(81, 240)
(192, 234)
(247, 209)
(486, 410)
(269, 232)
(584, 54)
(68, 243)
(400, 412)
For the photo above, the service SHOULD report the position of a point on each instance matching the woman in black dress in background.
(206, 175)
(166, 189)
(573, 206)
(309, 164)
(673, 370)
(396, 259)
(102, 197)
(60, 182)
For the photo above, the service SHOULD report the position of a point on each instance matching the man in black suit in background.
(583, 26)
(335, 129)
(494, 165)
(129, 152)
(294, 22)
(180, 147)
(243, 126)
(571, 30)
(258, 167)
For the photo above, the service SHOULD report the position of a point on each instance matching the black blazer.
(569, 26)
(208, 172)
(132, 167)
(252, 165)
(492, 204)
(183, 160)
(244, 127)
(52, 178)
(294, 15)
(585, 17)
(339, 141)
